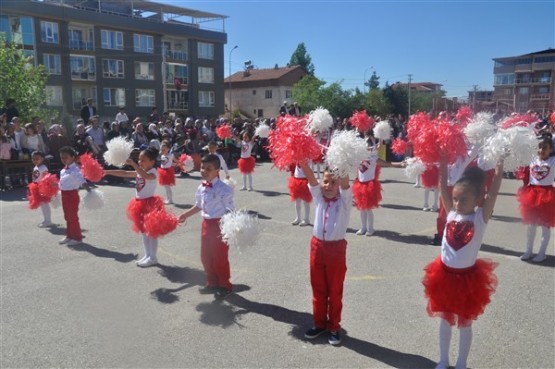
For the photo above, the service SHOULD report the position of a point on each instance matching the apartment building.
(525, 82)
(138, 54)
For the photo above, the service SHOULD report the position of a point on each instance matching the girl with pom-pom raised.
(166, 172)
(247, 162)
(457, 284)
(36, 198)
(300, 195)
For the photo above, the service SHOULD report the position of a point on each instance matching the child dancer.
(166, 173)
(213, 149)
(457, 284)
(144, 201)
(247, 162)
(537, 200)
(328, 249)
(213, 199)
(39, 172)
(430, 180)
(367, 191)
(300, 194)
(323, 138)
(70, 181)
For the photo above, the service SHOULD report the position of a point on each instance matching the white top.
(32, 142)
(455, 170)
(298, 172)
(246, 148)
(223, 164)
(214, 201)
(332, 217)
(121, 117)
(542, 172)
(39, 172)
(145, 188)
(462, 239)
(367, 169)
(71, 178)
(166, 161)
(97, 134)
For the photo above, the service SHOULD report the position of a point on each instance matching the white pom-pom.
(188, 164)
(518, 144)
(320, 120)
(56, 202)
(93, 200)
(480, 128)
(345, 153)
(118, 152)
(414, 169)
(230, 182)
(382, 130)
(262, 131)
(240, 229)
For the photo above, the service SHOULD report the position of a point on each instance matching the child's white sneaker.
(361, 231)
(250, 189)
(168, 202)
(141, 260)
(295, 222)
(539, 258)
(527, 255)
(370, 232)
(425, 208)
(304, 223)
(148, 262)
(63, 241)
(45, 224)
(441, 365)
(243, 188)
(73, 242)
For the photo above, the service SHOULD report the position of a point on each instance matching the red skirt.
(298, 189)
(35, 197)
(139, 208)
(367, 195)
(459, 295)
(537, 205)
(166, 176)
(246, 165)
(430, 177)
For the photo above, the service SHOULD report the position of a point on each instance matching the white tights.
(151, 247)
(45, 208)
(245, 178)
(531, 236)
(465, 340)
(298, 203)
(367, 220)
(427, 196)
(169, 194)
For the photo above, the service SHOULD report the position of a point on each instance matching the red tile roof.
(261, 74)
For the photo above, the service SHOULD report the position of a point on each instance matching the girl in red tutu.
(323, 138)
(300, 194)
(367, 191)
(247, 162)
(166, 173)
(457, 284)
(430, 181)
(36, 197)
(537, 199)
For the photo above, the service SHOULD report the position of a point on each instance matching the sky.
(448, 42)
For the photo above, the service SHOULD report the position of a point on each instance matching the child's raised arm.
(446, 196)
(491, 196)
(309, 174)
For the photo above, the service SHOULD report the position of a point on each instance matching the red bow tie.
(207, 184)
(328, 200)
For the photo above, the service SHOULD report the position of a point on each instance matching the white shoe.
(243, 188)
(370, 232)
(361, 231)
(141, 260)
(73, 242)
(168, 202)
(295, 222)
(148, 262)
(416, 186)
(45, 224)
(304, 223)
(441, 365)
(425, 208)
(539, 258)
(250, 189)
(434, 209)
(63, 241)
(527, 255)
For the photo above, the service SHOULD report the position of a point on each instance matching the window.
(80, 38)
(523, 90)
(544, 90)
(175, 49)
(49, 32)
(206, 99)
(268, 94)
(111, 39)
(524, 61)
(82, 67)
(288, 94)
(504, 79)
(177, 100)
(504, 63)
(114, 96)
(254, 92)
(205, 50)
(18, 29)
(205, 75)
(80, 96)
(52, 63)
(54, 96)
(143, 43)
(144, 97)
(144, 70)
(112, 68)
(545, 77)
(176, 73)
(544, 59)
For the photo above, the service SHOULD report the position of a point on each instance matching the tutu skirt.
(166, 176)
(35, 197)
(298, 189)
(537, 205)
(139, 208)
(459, 295)
(367, 195)
(246, 165)
(430, 177)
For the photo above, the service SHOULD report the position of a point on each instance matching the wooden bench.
(15, 173)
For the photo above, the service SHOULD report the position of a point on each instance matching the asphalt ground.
(90, 306)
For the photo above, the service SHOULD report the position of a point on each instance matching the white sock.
(169, 194)
(146, 245)
(298, 209)
(465, 340)
(244, 180)
(249, 176)
(444, 342)
(436, 198)
(46, 212)
(370, 223)
(153, 248)
(306, 211)
(530, 237)
(426, 197)
(417, 181)
(363, 219)
(546, 235)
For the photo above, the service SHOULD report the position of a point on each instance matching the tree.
(398, 98)
(374, 81)
(302, 58)
(22, 81)
(378, 103)
(307, 92)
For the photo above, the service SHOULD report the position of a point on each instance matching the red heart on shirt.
(363, 167)
(539, 172)
(139, 183)
(459, 234)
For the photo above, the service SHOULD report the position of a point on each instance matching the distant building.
(259, 93)
(525, 82)
(420, 86)
(481, 100)
(137, 54)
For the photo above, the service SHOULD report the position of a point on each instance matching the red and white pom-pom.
(414, 169)
(382, 130)
(345, 153)
(56, 202)
(93, 200)
(49, 185)
(480, 128)
(522, 120)
(224, 131)
(320, 120)
(230, 182)
(451, 141)
(159, 222)
(186, 163)
(518, 144)
(464, 115)
(552, 118)
(91, 169)
(362, 121)
(399, 146)
(240, 229)
(33, 195)
(262, 131)
(119, 150)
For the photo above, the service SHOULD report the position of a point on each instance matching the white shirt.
(71, 178)
(367, 169)
(214, 201)
(542, 172)
(299, 173)
(39, 172)
(223, 164)
(331, 218)
(97, 134)
(246, 149)
(462, 239)
(121, 117)
(145, 188)
(166, 161)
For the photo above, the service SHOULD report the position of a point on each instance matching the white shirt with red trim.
(332, 216)
(145, 188)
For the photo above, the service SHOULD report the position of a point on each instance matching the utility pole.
(474, 97)
(410, 80)
(230, 108)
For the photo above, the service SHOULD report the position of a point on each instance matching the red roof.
(262, 74)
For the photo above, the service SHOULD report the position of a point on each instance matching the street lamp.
(230, 108)
(365, 80)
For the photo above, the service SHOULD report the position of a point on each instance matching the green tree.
(302, 58)
(307, 92)
(23, 81)
(378, 103)
(398, 98)
(374, 81)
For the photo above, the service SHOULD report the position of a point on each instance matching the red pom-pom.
(464, 114)
(33, 195)
(159, 223)
(224, 131)
(399, 147)
(522, 120)
(552, 118)
(362, 121)
(91, 169)
(49, 186)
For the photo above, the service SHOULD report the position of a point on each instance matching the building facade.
(525, 82)
(138, 54)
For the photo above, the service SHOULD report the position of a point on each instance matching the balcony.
(534, 81)
(539, 97)
(81, 45)
(175, 54)
(178, 105)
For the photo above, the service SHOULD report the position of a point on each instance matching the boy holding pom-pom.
(213, 199)
(333, 198)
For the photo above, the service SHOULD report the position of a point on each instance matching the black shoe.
(436, 241)
(335, 338)
(207, 290)
(313, 332)
(222, 293)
